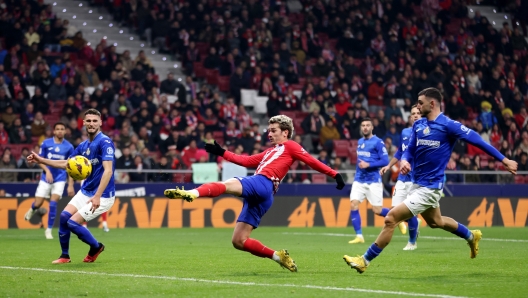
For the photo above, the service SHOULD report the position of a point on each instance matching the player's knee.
(64, 217)
(354, 205)
(390, 220)
(238, 243)
(435, 225)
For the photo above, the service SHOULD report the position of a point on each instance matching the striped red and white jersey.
(275, 162)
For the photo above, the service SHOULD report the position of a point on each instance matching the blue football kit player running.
(52, 182)
(432, 140)
(404, 183)
(97, 193)
(371, 156)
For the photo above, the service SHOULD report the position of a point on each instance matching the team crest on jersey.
(426, 131)
(88, 151)
(57, 149)
(362, 146)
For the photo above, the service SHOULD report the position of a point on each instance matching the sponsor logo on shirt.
(94, 161)
(363, 153)
(430, 143)
(56, 156)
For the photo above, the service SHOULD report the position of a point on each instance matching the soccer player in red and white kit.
(258, 190)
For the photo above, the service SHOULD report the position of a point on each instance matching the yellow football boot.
(179, 194)
(357, 263)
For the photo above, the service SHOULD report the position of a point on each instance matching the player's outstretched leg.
(206, 190)
(241, 241)
(384, 211)
(104, 217)
(414, 225)
(395, 216)
(85, 236)
(34, 207)
(64, 238)
(435, 220)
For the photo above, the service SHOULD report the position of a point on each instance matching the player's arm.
(35, 158)
(252, 161)
(71, 190)
(298, 153)
(397, 156)
(383, 157)
(460, 131)
(406, 158)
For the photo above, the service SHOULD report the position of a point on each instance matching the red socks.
(258, 249)
(211, 189)
(104, 216)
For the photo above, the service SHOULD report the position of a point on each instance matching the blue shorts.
(257, 192)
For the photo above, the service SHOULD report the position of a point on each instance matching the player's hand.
(363, 164)
(405, 167)
(34, 158)
(214, 148)
(71, 191)
(96, 202)
(49, 177)
(383, 170)
(340, 182)
(510, 165)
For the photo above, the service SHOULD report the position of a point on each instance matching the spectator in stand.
(237, 82)
(19, 134)
(231, 134)
(4, 135)
(189, 154)
(57, 92)
(312, 126)
(7, 163)
(523, 161)
(38, 126)
(327, 135)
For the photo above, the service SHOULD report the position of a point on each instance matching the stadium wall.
(290, 211)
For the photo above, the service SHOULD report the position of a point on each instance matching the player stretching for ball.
(52, 181)
(430, 146)
(404, 183)
(258, 190)
(371, 155)
(97, 193)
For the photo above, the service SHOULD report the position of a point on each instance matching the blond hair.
(285, 123)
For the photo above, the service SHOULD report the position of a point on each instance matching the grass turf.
(202, 263)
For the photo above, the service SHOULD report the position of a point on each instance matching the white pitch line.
(401, 236)
(227, 282)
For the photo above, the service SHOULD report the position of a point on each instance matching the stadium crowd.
(328, 66)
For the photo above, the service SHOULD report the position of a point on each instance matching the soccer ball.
(79, 167)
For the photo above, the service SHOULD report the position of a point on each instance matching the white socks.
(194, 192)
(275, 257)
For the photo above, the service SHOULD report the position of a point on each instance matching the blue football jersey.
(405, 138)
(374, 152)
(99, 150)
(51, 150)
(431, 145)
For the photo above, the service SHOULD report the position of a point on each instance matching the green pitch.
(202, 263)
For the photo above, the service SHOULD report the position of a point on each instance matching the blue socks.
(52, 213)
(64, 233)
(355, 218)
(463, 232)
(83, 233)
(33, 206)
(384, 211)
(372, 252)
(413, 229)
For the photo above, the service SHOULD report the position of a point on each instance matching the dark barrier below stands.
(156, 189)
(292, 211)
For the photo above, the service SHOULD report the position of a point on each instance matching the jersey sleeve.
(75, 152)
(298, 153)
(383, 156)
(460, 131)
(43, 151)
(251, 161)
(70, 151)
(107, 150)
(399, 153)
(411, 147)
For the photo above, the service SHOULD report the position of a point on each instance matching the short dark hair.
(366, 119)
(432, 93)
(57, 124)
(92, 112)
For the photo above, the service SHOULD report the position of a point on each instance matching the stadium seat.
(519, 179)
(341, 148)
(223, 83)
(352, 155)
(319, 178)
(354, 144)
(199, 70)
(211, 75)
(219, 137)
(290, 114)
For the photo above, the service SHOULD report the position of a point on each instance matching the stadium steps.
(96, 24)
(494, 17)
